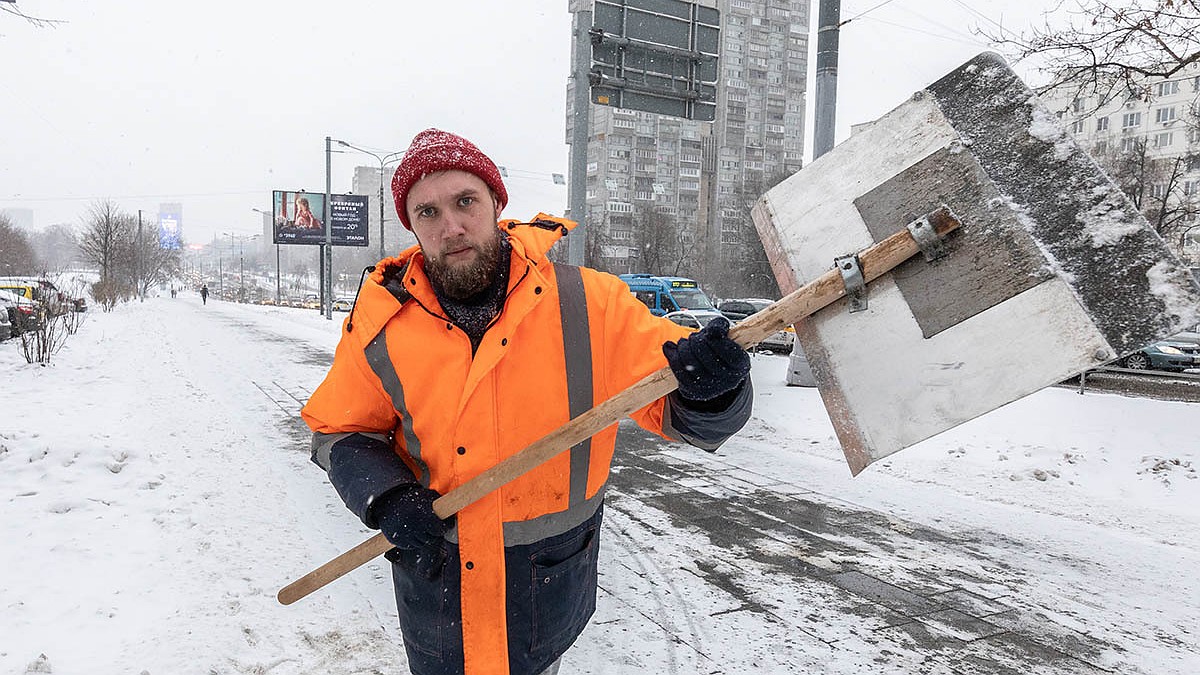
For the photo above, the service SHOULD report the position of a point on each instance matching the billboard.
(169, 230)
(298, 218)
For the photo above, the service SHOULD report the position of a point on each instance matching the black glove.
(406, 518)
(707, 363)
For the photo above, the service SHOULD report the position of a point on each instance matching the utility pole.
(580, 132)
(382, 248)
(828, 31)
(327, 254)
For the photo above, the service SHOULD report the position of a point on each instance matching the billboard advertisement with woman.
(298, 218)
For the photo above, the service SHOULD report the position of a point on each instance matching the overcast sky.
(214, 104)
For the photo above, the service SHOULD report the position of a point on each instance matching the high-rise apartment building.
(647, 172)
(366, 181)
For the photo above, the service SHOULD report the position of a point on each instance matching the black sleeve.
(708, 424)
(361, 468)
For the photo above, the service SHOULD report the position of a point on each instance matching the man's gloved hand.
(406, 518)
(707, 363)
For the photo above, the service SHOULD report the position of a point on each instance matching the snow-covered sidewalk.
(156, 495)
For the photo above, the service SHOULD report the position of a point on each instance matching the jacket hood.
(383, 293)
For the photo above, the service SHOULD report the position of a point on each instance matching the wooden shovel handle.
(804, 301)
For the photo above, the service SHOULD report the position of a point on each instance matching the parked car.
(23, 314)
(692, 318)
(311, 302)
(342, 304)
(1175, 354)
(6, 327)
(740, 308)
(737, 309)
(43, 291)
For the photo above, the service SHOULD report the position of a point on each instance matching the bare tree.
(750, 271)
(659, 246)
(56, 247)
(153, 264)
(16, 253)
(1157, 186)
(106, 238)
(38, 21)
(1108, 48)
(109, 242)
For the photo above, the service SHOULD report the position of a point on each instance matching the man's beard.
(461, 282)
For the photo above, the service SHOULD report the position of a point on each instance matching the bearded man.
(462, 351)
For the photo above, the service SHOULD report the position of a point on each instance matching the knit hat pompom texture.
(435, 150)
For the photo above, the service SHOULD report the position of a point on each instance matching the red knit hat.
(435, 150)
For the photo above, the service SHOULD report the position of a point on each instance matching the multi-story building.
(1158, 121)
(699, 179)
(366, 181)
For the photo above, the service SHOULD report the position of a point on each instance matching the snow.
(1046, 128)
(1106, 222)
(1167, 282)
(157, 493)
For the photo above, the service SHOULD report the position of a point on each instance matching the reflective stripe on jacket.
(566, 339)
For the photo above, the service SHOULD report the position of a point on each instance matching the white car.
(739, 309)
(342, 304)
(692, 318)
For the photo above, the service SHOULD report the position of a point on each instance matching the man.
(204, 294)
(462, 351)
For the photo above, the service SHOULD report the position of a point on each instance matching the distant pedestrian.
(172, 291)
(204, 293)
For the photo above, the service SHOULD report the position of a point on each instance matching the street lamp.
(269, 215)
(383, 160)
(241, 261)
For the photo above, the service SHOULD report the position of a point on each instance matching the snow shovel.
(1052, 272)
(851, 272)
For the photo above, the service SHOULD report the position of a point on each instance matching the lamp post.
(268, 214)
(383, 160)
(241, 261)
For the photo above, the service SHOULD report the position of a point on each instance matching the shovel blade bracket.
(927, 238)
(852, 277)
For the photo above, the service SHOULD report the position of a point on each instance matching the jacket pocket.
(563, 577)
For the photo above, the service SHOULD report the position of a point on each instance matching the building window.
(1079, 104)
(1168, 88)
(1164, 139)
(619, 207)
(1102, 124)
(1128, 143)
(1077, 127)
(1165, 114)
(1158, 190)
(1130, 120)
(1101, 147)
(1189, 187)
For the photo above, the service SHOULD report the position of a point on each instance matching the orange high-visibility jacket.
(566, 339)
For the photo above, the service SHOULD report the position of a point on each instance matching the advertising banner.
(297, 218)
(168, 230)
(348, 218)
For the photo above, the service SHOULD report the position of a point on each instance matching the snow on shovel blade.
(1053, 271)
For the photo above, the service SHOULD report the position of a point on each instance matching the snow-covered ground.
(156, 493)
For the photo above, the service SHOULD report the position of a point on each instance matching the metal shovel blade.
(1052, 272)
